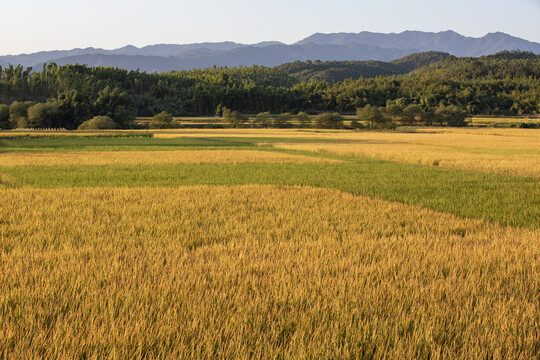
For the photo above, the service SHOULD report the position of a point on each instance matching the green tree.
(73, 107)
(328, 121)
(427, 117)
(450, 116)
(283, 120)
(4, 117)
(304, 120)
(43, 115)
(355, 124)
(262, 120)
(18, 113)
(117, 105)
(373, 116)
(233, 118)
(98, 123)
(163, 120)
(412, 114)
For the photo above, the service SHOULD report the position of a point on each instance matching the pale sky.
(33, 25)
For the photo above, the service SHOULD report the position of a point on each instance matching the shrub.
(450, 116)
(43, 115)
(328, 121)
(282, 121)
(163, 120)
(303, 120)
(19, 122)
(355, 124)
(233, 118)
(262, 120)
(98, 123)
(18, 110)
(374, 117)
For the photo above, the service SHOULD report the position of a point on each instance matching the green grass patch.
(45, 144)
(70, 144)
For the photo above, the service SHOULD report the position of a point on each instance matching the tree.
(73, 107)
(373, 116)
(18, 112)
(4, 117)
(163, 120)
(233, 118)
(394, 112)
(457, 117)
(98, 123)
(43, 115)
(328, 121)
(450, 116)
(355, 124)
(262, 120)
(303, 120)
(427, 117)
(412, 114)
(219, 110)
(282, 120)
(117, 105)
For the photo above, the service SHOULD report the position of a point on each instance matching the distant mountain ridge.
(446, 41)
(325, 47)
(272, 55)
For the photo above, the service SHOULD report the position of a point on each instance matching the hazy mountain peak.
(341, 46)
(446, 41)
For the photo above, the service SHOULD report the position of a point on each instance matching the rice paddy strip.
(138, 158)
(508, 200)
(516, 161)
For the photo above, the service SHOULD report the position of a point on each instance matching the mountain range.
(324, 47)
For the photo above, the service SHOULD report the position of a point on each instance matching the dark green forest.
(506, 83)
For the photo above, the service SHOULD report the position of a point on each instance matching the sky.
(40, 25)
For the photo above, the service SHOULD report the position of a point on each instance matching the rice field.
(139, 158)
(245, 244)
(502, 151)
(511, 121)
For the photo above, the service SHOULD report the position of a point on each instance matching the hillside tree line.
(507, 83)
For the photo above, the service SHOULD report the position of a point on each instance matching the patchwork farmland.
(267, 243)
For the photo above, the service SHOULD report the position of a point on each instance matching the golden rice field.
(489, 121)
(258, 272)
(267, 271)
(502, 151)
(178, 157)
(333, 134)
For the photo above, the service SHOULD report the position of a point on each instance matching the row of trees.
(69, 110)
(505, 85)
(372, 117)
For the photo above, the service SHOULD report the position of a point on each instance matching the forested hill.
(507, 83)
(336, 71)
(506, 64)
(419, 60)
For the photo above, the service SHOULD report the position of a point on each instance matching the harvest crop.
(269, 244)
(259, 271)
(133, 158)
(511, 152)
